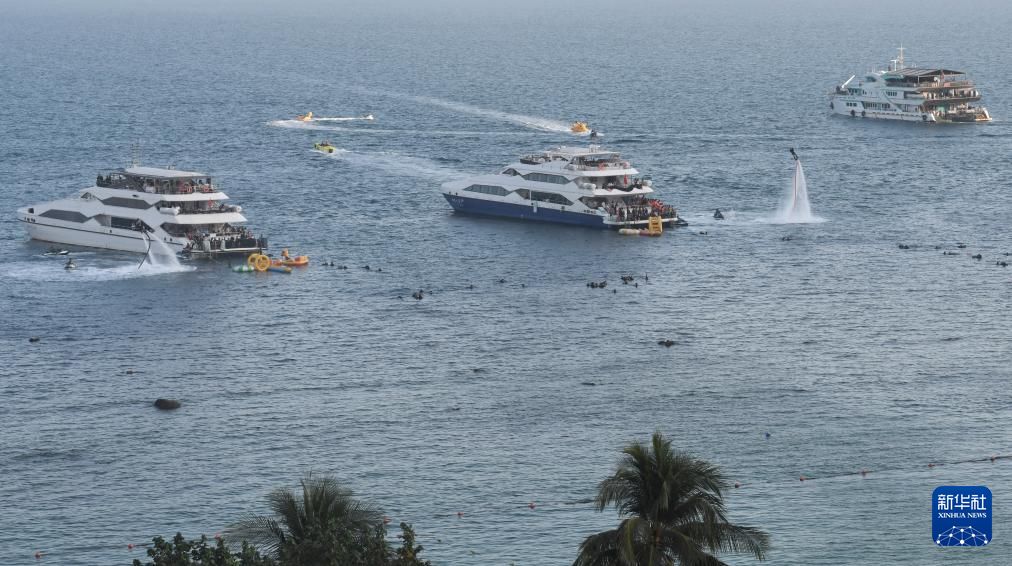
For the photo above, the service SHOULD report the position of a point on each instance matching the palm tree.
(674, 509)
(323, 525)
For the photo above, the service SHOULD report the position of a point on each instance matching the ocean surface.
(850, 352)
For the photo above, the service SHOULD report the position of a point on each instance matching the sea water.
(849, 351)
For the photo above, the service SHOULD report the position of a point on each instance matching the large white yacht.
(588, 186)
(127, 209)
(910, 93)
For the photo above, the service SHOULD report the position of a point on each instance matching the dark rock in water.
(167, 404)
(666, 343)
(34, 339)
(717, 215)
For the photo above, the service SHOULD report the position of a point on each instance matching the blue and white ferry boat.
(587, 186)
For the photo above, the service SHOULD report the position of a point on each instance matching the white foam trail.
(161, 257)
(295, 124)
(53, 271)
(795, 208)
(543, 124)
(397, 164)
(343, 119)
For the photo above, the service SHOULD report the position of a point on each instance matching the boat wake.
(366, 118)
(300, 125)
(53, 271)
(295, 124)
(396, 164)
(533, 122)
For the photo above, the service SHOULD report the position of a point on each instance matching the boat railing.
(603, 166)
(226, 242)
(640, 213)
(159, 188)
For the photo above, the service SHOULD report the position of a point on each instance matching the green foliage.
(407, 554)
(674, 513)
(321, 525)
(182, 552)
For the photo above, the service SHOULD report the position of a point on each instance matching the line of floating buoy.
(637, 232)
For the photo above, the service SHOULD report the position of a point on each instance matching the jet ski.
(55, 251)
(324, 147)
(70, 264)
(307, 117)
(579, 128)
(367, 117)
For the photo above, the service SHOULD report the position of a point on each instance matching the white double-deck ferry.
(910, 93)
(129, 208)
(587, 186)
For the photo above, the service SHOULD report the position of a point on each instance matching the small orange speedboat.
(308, 117)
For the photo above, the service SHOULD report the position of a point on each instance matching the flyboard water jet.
(795, 208)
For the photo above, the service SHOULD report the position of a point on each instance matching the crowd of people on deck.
(639, 209)
(231, 238)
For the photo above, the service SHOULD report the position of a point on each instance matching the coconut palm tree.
(674, 513)
(324, 524)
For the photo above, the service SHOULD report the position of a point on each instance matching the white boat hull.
(101, 237)
(843, 110)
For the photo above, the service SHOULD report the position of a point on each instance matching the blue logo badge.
(961, 516)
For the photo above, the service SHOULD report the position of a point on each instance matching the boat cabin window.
(66, 215)
(488, 190)
(546, 178)
(550, 197)
(126, 203)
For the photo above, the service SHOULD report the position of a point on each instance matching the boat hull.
(106, 239)
(524, 212)
(481, 207)
(841, 109)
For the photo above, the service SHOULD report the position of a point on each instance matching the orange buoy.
(130, 546)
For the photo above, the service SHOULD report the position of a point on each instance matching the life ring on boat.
(852, 113)
(252, 259)
(924, 117)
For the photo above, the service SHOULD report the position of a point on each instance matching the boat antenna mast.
(898, 64)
